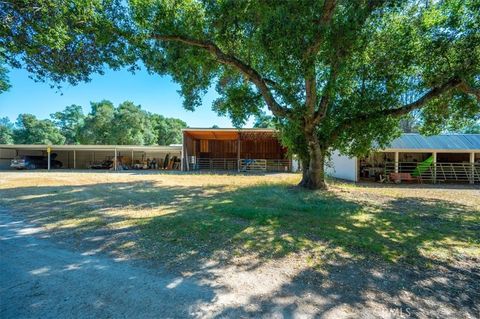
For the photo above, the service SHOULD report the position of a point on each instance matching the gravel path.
(40, 280)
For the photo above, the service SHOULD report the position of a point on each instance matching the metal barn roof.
(452, 142)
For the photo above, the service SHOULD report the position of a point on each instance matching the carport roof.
(447, 142)
(155, 148)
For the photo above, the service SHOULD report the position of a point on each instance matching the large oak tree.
(334, 73)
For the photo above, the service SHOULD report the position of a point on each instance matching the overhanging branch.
(435, 92)
(239, 65)
(427, 97)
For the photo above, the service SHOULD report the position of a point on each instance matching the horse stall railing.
(461, 172)
(223, 164)
(435, 172)
(253, 165)
(279, 165)
(231, 164)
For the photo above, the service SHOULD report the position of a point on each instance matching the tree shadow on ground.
(405, 255)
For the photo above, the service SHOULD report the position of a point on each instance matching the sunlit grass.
(75, 223)
(186, 217)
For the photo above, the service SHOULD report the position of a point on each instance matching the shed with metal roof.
(448, 157)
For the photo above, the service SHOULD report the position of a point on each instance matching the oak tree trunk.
(313, 169)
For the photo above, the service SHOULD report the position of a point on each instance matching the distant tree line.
(126, 124)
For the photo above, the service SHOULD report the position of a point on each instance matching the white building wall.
(343, 167)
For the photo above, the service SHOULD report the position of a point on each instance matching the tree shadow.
(404, 255)
(409, 257)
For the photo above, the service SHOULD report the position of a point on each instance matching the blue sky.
(154, 93)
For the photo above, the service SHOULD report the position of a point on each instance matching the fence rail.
(249, 165)
(436, 172)
(279, 165)
(224, 164)
(244, 165)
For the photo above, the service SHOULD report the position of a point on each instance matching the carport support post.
(238, 152)
(182, 155)
(472, 168)
(397, 158)
(48, 156)
(115, 161)
(434, 155)
(74, 159)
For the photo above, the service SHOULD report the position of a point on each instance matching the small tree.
(332, 72)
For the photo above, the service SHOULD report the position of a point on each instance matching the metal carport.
(76, 156)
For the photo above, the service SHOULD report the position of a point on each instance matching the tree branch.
(311, 91)
(326, 17)
(435, 92)
(322, 109)
(327, 14)
(466, 88)
(422, 101)
(311, 95)
(239, 65)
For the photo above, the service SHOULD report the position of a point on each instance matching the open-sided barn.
(234, 149)
(415, 158)
(115, 157)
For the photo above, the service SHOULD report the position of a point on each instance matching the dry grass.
(184, 217)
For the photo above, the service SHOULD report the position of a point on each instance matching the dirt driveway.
(41, 280)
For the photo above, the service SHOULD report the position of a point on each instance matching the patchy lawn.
(183, 217)
(266, 247)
